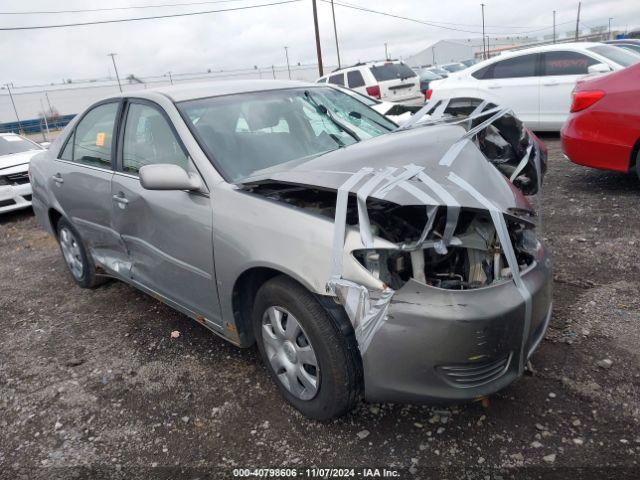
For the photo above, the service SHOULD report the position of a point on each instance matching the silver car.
(361, 258)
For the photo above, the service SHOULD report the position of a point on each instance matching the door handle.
(494, 86)
(58, 179)
(121, 200)
(551, 84)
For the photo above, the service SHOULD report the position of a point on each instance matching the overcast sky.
(241, 39)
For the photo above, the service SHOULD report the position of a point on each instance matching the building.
(441, 51)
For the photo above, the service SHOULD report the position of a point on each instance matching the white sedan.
(536, 82)
(15, 154)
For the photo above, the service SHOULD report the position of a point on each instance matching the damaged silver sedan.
(401, 263)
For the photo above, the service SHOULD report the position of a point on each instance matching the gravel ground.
(92, 385)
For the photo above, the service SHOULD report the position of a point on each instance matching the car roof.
(193, 91)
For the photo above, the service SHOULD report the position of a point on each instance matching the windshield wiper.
(325, 111)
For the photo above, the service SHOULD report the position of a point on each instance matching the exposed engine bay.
(474, 259)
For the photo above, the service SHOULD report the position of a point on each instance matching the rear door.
(81, 182)
(168, 234)
(397, 82)
(515, 83)
(560, 71)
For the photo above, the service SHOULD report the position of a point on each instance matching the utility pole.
(433, 54)
(488, 49)
(484, 49)
(554, 26)
(386, 51)
(14, 106)
(318, 49)
(609, 34)
(170, 78)
(335, 32)
(113, 59)
(286, 52)
(578, 22)
(273, 71)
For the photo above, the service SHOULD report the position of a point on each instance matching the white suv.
(391, 81)
(536, 82)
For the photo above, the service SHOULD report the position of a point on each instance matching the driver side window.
(148, 140)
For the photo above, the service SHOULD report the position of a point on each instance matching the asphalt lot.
(91, 384)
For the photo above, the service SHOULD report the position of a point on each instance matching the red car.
(603, 130)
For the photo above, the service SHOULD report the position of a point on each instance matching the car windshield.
(618, 55)
(10, 144)
(245, 133)
(391, 71)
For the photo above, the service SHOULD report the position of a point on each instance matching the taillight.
(374, 91)
(584, 99)
(427, 94)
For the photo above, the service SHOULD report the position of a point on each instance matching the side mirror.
(599, 68)
(166, 176)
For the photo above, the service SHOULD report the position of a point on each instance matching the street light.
(14, 105)
(113, 59)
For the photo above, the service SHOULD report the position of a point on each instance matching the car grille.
(19, 178)
(469, 375)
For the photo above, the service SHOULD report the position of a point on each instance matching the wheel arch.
(54, 217)
(246, 287)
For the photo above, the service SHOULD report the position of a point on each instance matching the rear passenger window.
(566, 63)
(523, 66)
(148, 139)
(354, 79)
(337, 79)
(93, 137)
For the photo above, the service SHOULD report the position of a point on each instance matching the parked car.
(535, 82)
(441, 72)
(603, 129)
(468, 63)
(396, 112)
(293, 216)
(390, 81)
(426, 76)
(453, 67)
(632, 44)
(16, 152)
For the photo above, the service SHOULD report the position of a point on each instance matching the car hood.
(15, 159)
(422, 146)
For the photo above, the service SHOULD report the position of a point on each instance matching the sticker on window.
(100, 138)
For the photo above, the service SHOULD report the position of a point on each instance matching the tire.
(338, 374)
(74, 253)
(638, 164)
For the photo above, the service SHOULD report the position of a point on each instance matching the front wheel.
(314, 364)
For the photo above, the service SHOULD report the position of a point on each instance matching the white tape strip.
(522, 164)
(363, 214)
(340, 222)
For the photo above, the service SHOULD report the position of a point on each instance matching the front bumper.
(447, 345)
(14, 197)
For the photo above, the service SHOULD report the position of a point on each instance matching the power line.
(105, 9)
(155, 17)
(436, 24)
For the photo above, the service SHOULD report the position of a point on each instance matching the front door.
(168, 234)
(81, 182)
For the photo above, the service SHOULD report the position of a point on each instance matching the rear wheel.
(638, 164)
(313, 363)
(75, 255)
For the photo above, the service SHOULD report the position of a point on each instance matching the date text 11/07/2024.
(317, 472)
